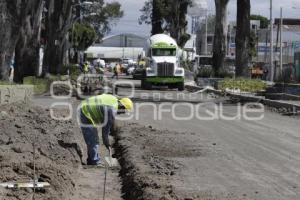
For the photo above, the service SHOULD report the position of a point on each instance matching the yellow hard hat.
(127, 103)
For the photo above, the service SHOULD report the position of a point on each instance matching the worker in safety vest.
(116, 71)
(86, 67)
(100, 111)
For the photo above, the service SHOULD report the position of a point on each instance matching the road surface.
(223, 159)
(241, 159)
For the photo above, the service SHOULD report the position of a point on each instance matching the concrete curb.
(15, 93)
(271, 103)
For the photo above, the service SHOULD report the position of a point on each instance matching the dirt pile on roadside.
(58, 152)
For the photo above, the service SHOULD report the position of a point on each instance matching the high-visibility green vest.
(89, 106)
(85, 68)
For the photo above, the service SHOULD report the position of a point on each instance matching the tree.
(243, 38)
(28, 44)
(60, 20)
(82, 36)
(220, 38)
(105, 14)
(169, 16)
(152, 13)
(264, 22)
(58, 23)
(176, 23)
(10, 19)
(156, 18)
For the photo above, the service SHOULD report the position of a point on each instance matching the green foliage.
(106, 14)
(245, 85)
(264, 22)
(253, 44)
(186, 64)
(205, 72)
(40, 85)
(208, 72)
(73, 69)
(146, 13)
(82, 36)
(6, 83)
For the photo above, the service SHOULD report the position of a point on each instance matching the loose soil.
(150, 161)
(60, 152)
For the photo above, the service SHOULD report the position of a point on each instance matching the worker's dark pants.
(91, 137)
(116, 74)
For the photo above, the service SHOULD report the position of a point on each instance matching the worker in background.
(86, 67)
(116, 71)
(100, 110)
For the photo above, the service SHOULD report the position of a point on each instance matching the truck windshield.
(163, 52)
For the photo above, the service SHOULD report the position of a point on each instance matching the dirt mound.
(58, 152)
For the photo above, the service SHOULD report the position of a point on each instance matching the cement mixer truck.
(162, 63)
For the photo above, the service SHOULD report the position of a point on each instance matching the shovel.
(110, 161)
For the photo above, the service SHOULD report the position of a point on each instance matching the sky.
(131, 8)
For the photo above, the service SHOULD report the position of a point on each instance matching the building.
(115, 47)
(297, 63)
(203, 48)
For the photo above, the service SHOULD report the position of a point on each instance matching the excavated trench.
(131, 188)
(147, 168)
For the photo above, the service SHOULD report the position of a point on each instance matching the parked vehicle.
(138, 73)
(131, 69)
(126, 63)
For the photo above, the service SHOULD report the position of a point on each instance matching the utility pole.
(281, 52)
(271, 42)
(206, 27)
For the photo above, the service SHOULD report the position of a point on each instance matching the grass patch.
(245, 85)
(40, 85)
(6, 83)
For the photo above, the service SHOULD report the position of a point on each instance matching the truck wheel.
(180, 86)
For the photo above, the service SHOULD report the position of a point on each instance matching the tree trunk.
(9, 18)
(220, 38)
(183, 37)
(58, 23)
(156, 18)
(27, 49)
(177, 21)
(243, 38)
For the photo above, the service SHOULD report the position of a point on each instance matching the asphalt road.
(257, 159)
